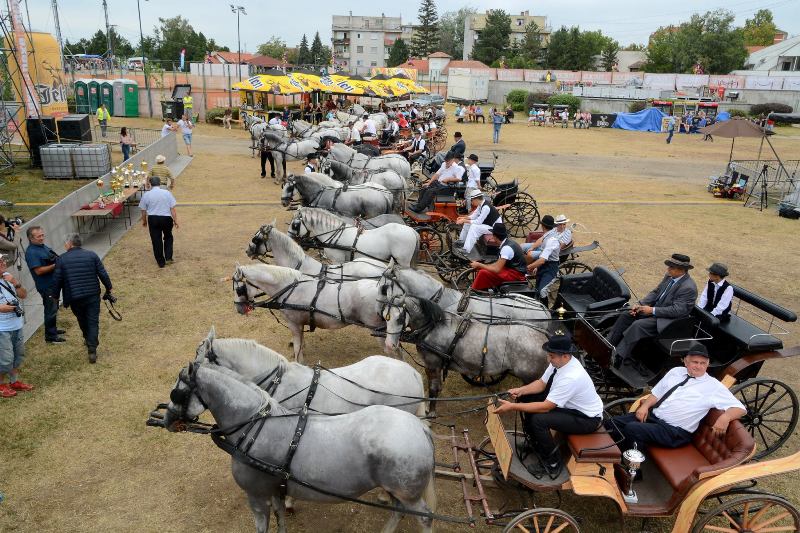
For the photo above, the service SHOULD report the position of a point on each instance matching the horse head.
(259, 245)
(244, 292)
(184, 405)
(297, 228)
(288, 191)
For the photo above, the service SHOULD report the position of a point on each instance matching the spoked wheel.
(756, 513)
(572, 267)
(484, 381)
(772, 410)
(464, 280)
(521, 218)
(490, 184)
(543, 520)
(622, 406)
(431, 244)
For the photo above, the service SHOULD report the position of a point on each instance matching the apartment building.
(362, 42)
(474, 25)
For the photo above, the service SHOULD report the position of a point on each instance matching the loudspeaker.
(75, 128)
(41, 131)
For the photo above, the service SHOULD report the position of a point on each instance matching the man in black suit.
(673, 299)
(459, 147)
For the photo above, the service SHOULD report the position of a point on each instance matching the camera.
(51, 259)
(110, 297)
(10, 223)
(18, 310)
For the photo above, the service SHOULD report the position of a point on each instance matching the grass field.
(76, 455)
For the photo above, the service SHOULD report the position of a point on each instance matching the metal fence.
(766, 179)
(142, 137)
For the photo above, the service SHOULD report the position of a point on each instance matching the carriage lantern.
(633, 460)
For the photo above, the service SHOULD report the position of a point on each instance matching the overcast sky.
(625, 20)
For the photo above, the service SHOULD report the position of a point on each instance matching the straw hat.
(160, 159)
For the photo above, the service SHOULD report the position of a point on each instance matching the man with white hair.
(558, 227)
(480, 220)
(369, 129)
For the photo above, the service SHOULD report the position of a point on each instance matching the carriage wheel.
(484, 381)
(520, 218)
(756, 513)
(619, 407)
(772, 411)
(490, 184)
(543, 520)
(430, 244)
(464, 280)
(573, 267)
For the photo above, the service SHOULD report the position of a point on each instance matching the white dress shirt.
(454, 171)
(572, 388)
(474, 176)
(724, 302)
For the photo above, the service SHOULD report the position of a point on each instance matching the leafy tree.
(98, 44)
(760, 30)
(274, 47)
(398, 53)
(451, 31)
(175, 34)
(634, 47)
(572, 49)
(303, 52)
(530, 49)
(426, 36)
(494, 39)
(320, 55)
(609, 55)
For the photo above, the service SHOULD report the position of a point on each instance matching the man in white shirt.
(563, 399)
(168, 127)
(159, 215)
(557, 225)
(483, 215)
(275, 120)
(545, 266)
(369, 129)
(449, 172)
(414, 148)
(355, 136)
(473, 175)
(312, 163)
(677, 405)
(718, 293)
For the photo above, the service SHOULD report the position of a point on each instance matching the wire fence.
(142, 137)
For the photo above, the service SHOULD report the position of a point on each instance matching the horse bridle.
(262, 237)
(181, 397)
(392, 303)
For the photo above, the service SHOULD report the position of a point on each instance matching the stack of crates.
(91, 160)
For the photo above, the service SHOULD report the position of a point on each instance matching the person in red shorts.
(510, 266)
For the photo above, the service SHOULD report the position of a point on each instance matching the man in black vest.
(718, 293)
(483, 215)
(510, 266)
(459, 147)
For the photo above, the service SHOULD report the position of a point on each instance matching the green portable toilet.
(107, 95)
(94, 95)
(82, 96)
(126, 98)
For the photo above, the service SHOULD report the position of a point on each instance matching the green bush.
(536, 98)
(71, 105)
(637, 106)
(573, 102)
(738, 113)
(766, 109)
(215, 112)
(516, 99)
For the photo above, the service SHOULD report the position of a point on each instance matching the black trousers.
(427, 196)
(50, 314)
(629, 330)
(267, 156)
(161, 236)
(537, 426)
(87, 311)
(652, 431)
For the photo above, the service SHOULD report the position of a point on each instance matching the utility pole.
(239, 10)
(58, 34)
(109, 50)
(145, 62)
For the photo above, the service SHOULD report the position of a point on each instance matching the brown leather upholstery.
(683, 466)
(597, 447)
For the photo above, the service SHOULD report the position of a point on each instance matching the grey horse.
(468, 345)
(283, 147)
(342, 242)
(345, 455)
(390, 179)
(318, 190)
(344, 154)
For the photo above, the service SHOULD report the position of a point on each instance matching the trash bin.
(82, 96)
(174, 108)
(94, 95)
(107, 95)
(126, 98)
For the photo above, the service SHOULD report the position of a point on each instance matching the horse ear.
(212, 333)
(274, 221)
(391, 263)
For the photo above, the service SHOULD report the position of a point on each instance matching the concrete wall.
(57, 222)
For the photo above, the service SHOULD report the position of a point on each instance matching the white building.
(781, 57)
(475, 24)
(362, 42)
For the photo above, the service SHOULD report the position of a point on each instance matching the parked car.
(429, 99)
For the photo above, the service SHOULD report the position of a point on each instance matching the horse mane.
(282, 243)
(317, 216)
(322, 179)
(283, 274)
(430, 310)
(251, 347)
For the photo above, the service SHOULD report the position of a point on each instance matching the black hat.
(548, 222)
(559, 344)
(719, 269)
(457, 134)
(473, 157)
(312, 155)
(449, 155)
(696, 348)
(680, 261)
(499, 231)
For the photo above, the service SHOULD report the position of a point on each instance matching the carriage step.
(636, 375)
(480, 495)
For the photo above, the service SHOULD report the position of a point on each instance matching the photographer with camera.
(41, 260)
(76, 274)
(8, 233)
(12, 342)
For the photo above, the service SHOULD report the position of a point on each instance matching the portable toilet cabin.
(107, 95)
(82, 96)
(126, 98)
(94, 95)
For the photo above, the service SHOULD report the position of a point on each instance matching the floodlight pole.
(144, 61)
(239, 10)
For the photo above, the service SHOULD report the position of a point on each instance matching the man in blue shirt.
(42, 262)
(158, 213)
(12, 343)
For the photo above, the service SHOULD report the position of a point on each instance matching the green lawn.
(23, 185)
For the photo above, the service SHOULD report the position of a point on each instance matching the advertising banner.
(603, 120)
(596, 78)
(690, 80)
(535, 75)
(727, 81)
(665, 82)
(791, 84)
(763, 82)
(566, 76)
(387, 71)
(626, 78)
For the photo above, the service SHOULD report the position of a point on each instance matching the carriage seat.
(597, 447)
(747, 336)
(599, 290)
(706, 455)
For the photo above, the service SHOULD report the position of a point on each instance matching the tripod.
(762, 179)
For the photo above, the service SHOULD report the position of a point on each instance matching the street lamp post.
(239, 10)
(144, 62)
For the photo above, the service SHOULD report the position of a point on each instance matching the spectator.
(188, 103)
(41, 260)
(159, 215)
(7, 244)
(126, 141)
(226, 118)
(168, 127)
(670, 128)
(479, 114)
(186, 126)
(161, 170)
(532, 116)
(12, 343)
(509, 115)
(497, 122)
(76, 274)
(103, 118)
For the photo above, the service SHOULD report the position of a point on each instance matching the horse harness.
(333, 235)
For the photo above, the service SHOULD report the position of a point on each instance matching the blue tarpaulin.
(645, 120)
(722, 116)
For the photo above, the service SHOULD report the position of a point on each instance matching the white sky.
(625, 20)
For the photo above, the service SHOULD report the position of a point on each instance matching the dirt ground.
(76, 455)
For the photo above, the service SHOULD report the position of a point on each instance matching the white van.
(136, 63)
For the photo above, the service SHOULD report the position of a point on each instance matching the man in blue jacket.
(77, 273)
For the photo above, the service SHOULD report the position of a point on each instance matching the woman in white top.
(186, 126)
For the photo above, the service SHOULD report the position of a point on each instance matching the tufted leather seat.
(599, 290)
(597, 447)
(684, 466)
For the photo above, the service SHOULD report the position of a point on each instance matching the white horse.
(288, 253)
(386, 177)
(318, 190)
(307, 301)
(344, 154)
(282, 146)
(306, 130)
(342, 242)
(346, 455)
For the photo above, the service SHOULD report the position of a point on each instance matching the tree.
(398, 53)
(572, 49)
(303, 53)
(530, 49)
(451, 31)
(493, 41)
(320, 54)
(608, 55)
(274, 47)
(634, 47)
(175, 34)
(98, 44)
(760, 30)
(426, 34)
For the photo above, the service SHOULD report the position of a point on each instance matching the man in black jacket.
(77, 273)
